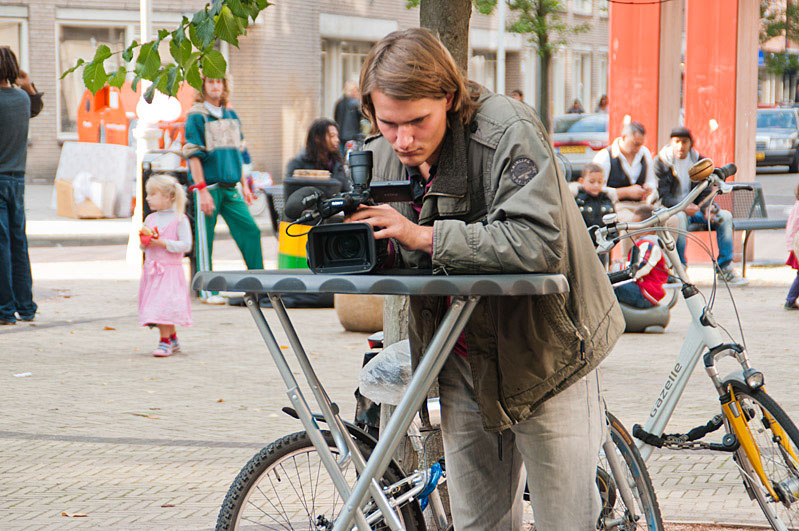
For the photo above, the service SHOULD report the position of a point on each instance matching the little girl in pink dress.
(166, 236)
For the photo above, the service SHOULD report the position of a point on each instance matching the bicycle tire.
(780, 467)
(636, 476)
(261, 497)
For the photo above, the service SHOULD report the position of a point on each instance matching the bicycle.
(277, 481)
(761, 438)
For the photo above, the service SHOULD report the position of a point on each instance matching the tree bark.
(449, 19)
(545, 61)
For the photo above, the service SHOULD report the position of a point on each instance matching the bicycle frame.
(703, 334)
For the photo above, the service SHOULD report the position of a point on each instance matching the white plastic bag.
(82, 187)
(386, 376)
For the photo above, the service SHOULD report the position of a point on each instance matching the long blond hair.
(413, 64)
(199, 96)
(170, 187)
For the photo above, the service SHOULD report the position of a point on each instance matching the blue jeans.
(16, 284)
(723, 227)
(630, 294)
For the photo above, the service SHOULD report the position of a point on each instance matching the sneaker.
(790, 306)
(27, 318)
(164, 350)
(175, 344)
(217, 300)
(732, 278)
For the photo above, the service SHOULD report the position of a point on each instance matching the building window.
(483, 69)
(603, 76)
(341, 61)
(602, 8)
(13, 34)
(581, 79)
(74, 42)
(582, 7)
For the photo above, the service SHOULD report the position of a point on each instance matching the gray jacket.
(498, 205)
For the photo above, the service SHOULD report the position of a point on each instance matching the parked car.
(579, 136)
(777, 138)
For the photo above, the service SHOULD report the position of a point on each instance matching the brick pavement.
(101, 428)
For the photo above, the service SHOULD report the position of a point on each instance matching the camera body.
(343, 248)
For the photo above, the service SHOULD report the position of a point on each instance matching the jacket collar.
(667, 155)
(452, 162)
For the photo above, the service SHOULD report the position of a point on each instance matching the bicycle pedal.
(729, 443)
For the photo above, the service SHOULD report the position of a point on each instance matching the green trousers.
(229, 203)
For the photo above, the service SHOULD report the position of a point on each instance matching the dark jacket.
(668, 184)
(498, 205)
(347, 114)
(301, 162)
(594, 208)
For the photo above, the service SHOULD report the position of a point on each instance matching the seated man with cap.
(671, 169)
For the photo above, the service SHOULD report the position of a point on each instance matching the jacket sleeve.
(523, 228)
(195, 137)
(665, 181)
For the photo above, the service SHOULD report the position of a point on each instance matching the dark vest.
(618, 178)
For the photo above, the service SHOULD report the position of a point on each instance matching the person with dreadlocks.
(19, 102)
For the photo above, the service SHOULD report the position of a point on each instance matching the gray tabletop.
(303, 281)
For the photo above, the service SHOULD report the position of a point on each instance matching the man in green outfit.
(213, 148)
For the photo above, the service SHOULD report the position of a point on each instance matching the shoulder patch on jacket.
(522, 170)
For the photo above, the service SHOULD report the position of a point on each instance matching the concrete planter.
(360, 313)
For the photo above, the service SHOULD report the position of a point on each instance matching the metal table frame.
(465, 292)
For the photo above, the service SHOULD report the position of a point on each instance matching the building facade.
(288, 70)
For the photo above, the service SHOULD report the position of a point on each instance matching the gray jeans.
(558, 447)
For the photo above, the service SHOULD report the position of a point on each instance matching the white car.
(578, 137)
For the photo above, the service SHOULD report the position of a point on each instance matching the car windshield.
(776, 120)
(590, 123)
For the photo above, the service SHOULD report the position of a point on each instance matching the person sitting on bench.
(671, 169)
(647, 290)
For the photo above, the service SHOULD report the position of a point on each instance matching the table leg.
(344, 442)
(301, 406)
(423, 377)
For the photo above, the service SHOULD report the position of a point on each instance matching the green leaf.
(238, 9)
(216, 8)
(127, 55)
(94, 76)
(193, 76)
(205, 33)
(135, 83)
(173, 81)
(214, 65)
(199, 17)
(163, 34)
(180, 51)
(148, 62)
(149, 93)
(118, 79)
(102, 53)
(161, 82)
(80, 63)
(194, 38)
(227, 27)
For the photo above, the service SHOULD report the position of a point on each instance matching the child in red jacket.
(647, 289)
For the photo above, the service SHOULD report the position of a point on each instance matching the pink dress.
(163, 292)
(791, 228)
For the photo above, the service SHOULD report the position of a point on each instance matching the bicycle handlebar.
(629, 272)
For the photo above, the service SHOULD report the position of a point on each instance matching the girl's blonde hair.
(170, 187)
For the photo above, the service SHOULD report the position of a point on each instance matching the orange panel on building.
(634, 62)
(710, 76)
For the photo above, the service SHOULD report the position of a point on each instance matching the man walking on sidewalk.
(17, 106)
(213, 148)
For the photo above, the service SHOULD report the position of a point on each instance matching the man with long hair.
(321, 153)
(214, 144)
(520, 386)
(18, 104)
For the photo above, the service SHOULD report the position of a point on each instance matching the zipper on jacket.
(582, 349)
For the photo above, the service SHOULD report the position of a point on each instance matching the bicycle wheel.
(777, 441)
(286, 486)
(614, 512)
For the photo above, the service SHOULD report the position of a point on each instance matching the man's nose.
(404, 137)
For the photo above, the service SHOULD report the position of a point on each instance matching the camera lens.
(345, 247)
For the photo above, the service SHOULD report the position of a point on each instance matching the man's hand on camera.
(388, 223)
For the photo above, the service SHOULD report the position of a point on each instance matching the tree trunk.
(449, 19)
(545, 60)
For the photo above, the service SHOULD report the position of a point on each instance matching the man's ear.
(450, 97)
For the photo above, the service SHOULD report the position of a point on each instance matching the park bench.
(748, 209)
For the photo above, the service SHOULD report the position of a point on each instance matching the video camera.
(345, 247)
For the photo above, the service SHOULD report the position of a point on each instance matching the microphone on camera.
(302, 199)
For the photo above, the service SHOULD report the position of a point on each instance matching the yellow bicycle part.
(777, 430)
(734, 413)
